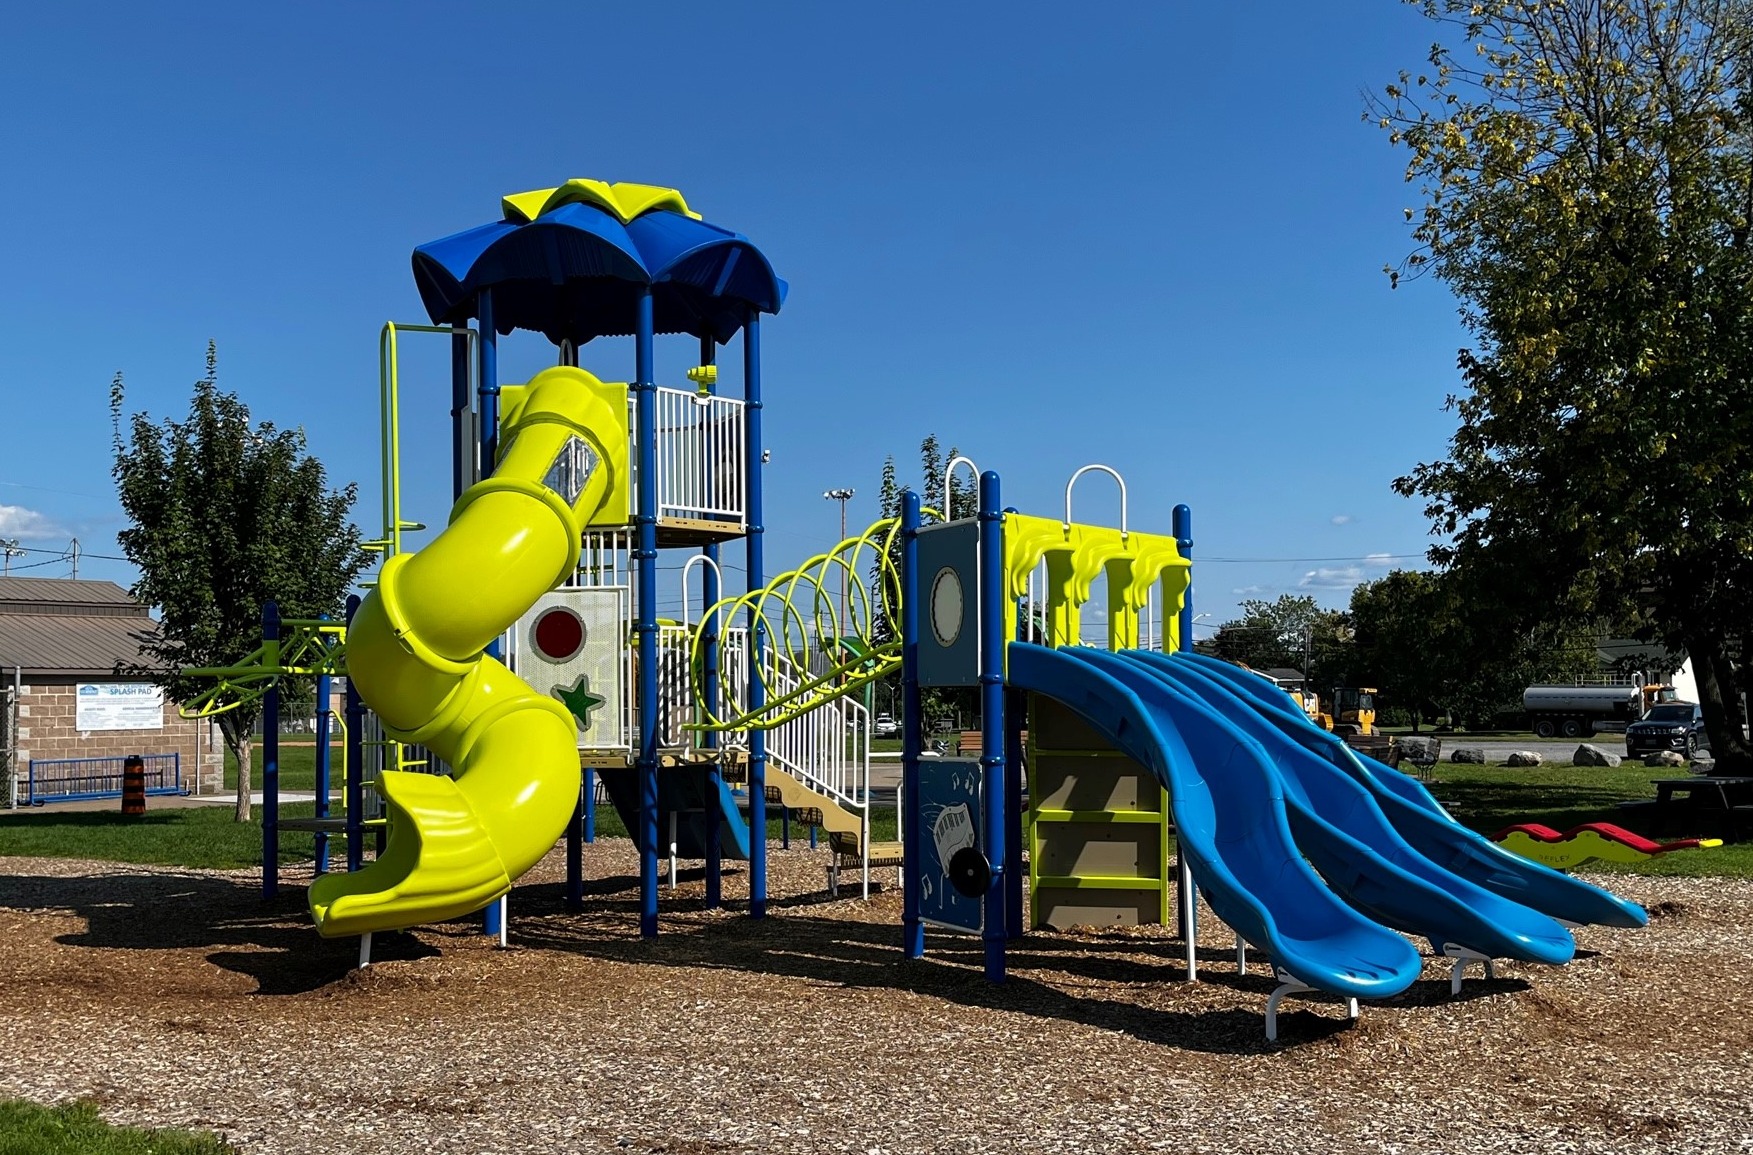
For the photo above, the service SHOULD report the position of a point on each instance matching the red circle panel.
(558, 634)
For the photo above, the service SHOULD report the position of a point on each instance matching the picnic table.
(1693, 786)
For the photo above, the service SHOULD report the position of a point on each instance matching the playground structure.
(1590, 842)
(520, 654)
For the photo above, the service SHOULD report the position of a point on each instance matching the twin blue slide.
(1312, 852)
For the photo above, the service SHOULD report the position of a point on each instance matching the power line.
(1197, 558)
(62, 554)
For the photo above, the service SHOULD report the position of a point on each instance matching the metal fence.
(701, 473)
(72, 779)
(9, 743)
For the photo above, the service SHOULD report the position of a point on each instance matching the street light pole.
(842, 496)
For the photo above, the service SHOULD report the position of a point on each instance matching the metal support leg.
(1241, 955)
(673, 849)
(1290, 986)
(1189, 917)
(364, 950)
(1462, 956)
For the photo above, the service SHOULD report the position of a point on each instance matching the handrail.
(306, 647)
(1111, 472)
(390, 426)
(949, 507)
(807, 612)
(687, 567)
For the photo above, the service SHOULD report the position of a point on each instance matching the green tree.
(1586, 171)
(1446, 643)
(1403, 628)
(225, 515)
(1293, 632)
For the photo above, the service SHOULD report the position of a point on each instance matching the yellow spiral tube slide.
(414, 651)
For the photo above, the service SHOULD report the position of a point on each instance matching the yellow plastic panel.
(626, 200)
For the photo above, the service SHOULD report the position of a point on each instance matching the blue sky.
(1145, 235)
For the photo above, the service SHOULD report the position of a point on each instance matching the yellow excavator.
(1353, 718)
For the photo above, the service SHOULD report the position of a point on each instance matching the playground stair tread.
(798, 796)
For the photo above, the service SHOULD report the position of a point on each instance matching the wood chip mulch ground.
(175, 997)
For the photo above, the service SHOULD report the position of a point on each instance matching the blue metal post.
(709, 667)
(992, 728)
(1015, 716)
(912, 729)
(487, 381)
(590, 805)
(355, 789)
(487, 384)
(1187, 894)
(1182, 523)
(757, 577)
(709, 672)
(462, 438)
(645, 625)
(270, 765)
(324, 686)
(574, 899)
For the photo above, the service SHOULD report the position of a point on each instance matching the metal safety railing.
(827, 747)
(74, 779)
(702, 467)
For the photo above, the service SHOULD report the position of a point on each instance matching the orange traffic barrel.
(133, 784)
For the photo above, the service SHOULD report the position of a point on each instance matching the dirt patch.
(178, 997)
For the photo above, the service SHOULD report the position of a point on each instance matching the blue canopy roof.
(574, 273)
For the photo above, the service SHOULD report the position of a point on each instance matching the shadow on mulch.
(271, 942)
(857, 955)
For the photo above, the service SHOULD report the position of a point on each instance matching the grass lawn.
(196, 836)
(1489, 798)
(1486, 798)
(298, 766)
(27, 1129)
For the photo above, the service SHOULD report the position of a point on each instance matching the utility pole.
(9, 549)
(842, 496)
(73, 556)
(1308, 642)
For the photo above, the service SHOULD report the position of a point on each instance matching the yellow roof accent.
(623, 199)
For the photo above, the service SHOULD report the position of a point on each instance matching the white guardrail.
(827, 748)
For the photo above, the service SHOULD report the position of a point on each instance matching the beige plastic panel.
(1061, 909)
(1053, 727)
(1071, 782)
(1107, 850)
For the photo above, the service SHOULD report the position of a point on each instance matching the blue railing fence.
(73, 779)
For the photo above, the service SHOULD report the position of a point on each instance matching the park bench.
(1423, 755)
(843, 854)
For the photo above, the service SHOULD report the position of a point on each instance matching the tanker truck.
(1578, 711)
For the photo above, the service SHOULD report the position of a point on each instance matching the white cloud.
(1341, 577)
(1379, 561)
(1250, 591)
(1342, 519)
(18, 522)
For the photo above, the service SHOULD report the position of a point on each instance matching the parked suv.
(885, 726)
(1671, 726)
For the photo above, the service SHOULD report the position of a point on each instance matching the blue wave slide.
(1263, 799)
(1419, 818)
(1231, 820)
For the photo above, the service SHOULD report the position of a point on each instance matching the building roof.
(21, 592)
(65, 628)
(1283, 675)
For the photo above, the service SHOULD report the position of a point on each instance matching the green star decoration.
(579, 700)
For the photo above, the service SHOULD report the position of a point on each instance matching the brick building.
(61, 642)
